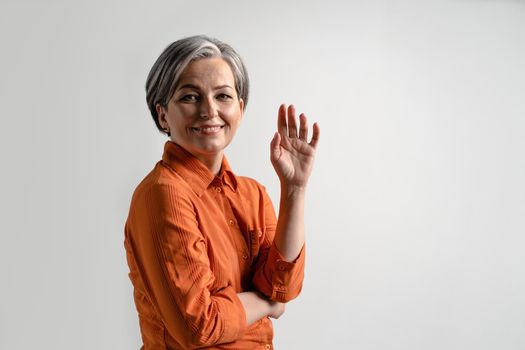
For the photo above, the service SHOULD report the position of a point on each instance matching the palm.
(292, 155)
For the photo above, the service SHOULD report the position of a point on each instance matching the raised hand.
(291, 154)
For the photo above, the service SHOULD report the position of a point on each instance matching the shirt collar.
(193, 171)
(227, 175)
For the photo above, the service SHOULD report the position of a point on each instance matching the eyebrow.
(195, 87)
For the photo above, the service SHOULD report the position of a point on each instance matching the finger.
(281, 120)
(303, 127)
(315, 136)
(292, 123)
(275, 148)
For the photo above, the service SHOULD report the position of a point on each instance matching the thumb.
(275, 147)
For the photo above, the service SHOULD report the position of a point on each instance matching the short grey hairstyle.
(164, 76)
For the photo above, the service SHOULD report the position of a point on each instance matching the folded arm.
(172, 257)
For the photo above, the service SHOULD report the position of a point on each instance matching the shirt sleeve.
(278, 279)
(175, 268)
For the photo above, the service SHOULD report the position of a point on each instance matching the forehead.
(206, 71)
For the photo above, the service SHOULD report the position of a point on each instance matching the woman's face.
(204, 111)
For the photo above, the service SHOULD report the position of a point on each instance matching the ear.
(241, 105)
(161, 112)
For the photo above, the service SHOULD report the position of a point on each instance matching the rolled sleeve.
(286, 277)
(278, 279)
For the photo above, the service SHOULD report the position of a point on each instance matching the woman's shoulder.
(159, 178)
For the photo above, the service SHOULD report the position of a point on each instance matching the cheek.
(182, 115)
(186, 111)
(233, 114)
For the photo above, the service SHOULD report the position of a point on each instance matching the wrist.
(293, 191)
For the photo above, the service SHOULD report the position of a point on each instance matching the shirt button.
(260, 233)
(268, 346)
(281, 268)
(231, 222)
(218, 189)
(245, 256)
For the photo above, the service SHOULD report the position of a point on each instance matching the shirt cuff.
(286, 276)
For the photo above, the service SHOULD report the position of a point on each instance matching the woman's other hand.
(277, 309)
(291, 154)
(257, 306)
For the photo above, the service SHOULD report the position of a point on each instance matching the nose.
(208, 108)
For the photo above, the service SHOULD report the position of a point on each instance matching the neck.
(213, 163)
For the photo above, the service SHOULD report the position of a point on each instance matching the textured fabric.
(193, 241)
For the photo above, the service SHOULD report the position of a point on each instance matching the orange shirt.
(193, 241)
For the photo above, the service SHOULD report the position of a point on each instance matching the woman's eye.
(189, 98)
(224, 97)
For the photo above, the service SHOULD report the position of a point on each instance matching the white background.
(416, 208)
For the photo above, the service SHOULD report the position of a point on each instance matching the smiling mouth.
(208, 130)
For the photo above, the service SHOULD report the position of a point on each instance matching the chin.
(211, 148)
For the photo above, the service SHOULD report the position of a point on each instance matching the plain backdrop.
(415, 211)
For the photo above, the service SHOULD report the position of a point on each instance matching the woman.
(209, 261)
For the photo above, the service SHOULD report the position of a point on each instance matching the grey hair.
(164, 76)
